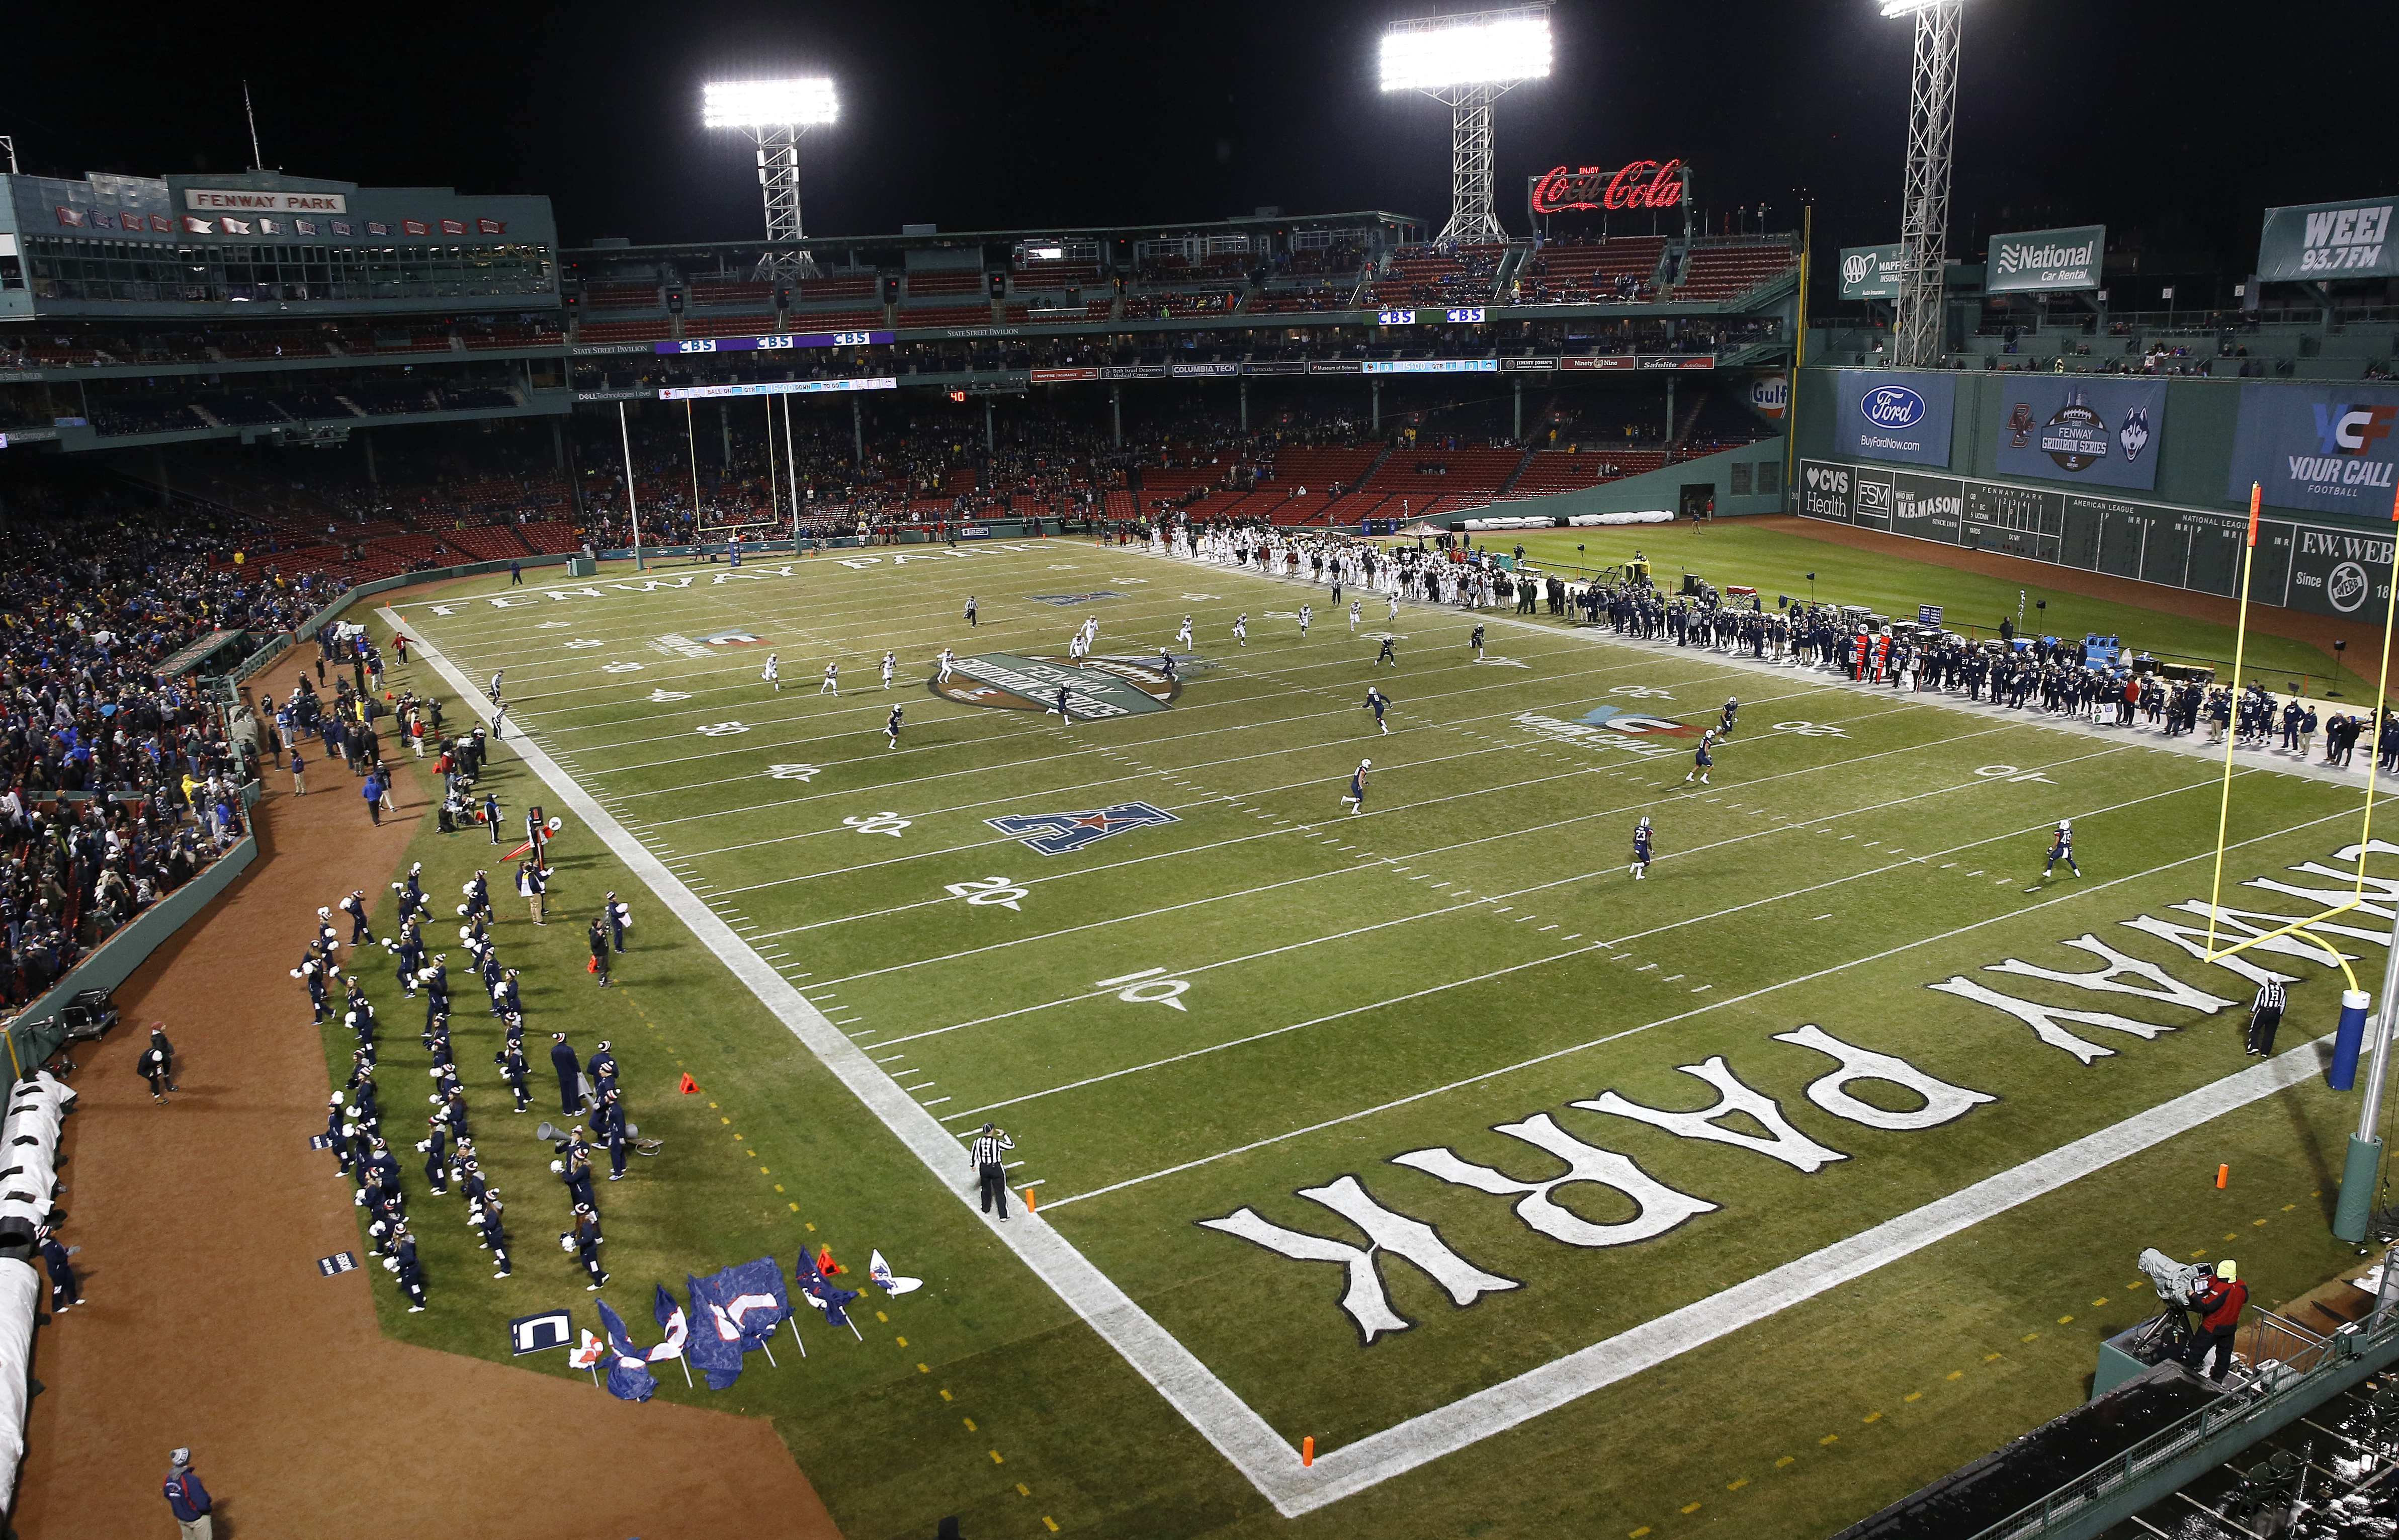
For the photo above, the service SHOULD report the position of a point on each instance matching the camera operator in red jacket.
(2219, 1301)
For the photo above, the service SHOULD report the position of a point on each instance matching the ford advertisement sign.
(1893, 407)
(1890, 414)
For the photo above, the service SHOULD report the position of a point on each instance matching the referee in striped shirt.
(984, 1157)
(2265, 1016)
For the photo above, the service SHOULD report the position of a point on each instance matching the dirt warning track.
(206, 1324)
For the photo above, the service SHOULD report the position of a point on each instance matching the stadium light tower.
(1922, 328)
(1469, 61)
(775, 114)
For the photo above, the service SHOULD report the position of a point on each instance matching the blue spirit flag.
(629, 1373)
(716, 1341)
(822, 1291)
(754, 1300)
(670, 1317)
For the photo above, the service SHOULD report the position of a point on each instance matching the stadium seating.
(753, 325)
(1425, 275)
(1726, 270)
(551, 537)
(834, 320)
(920, 284)
(1048, 276)
(622, 331)
(1275, 302)
(620, 296)
(1590, 274)
(1057, 311)
(946, 316)
(1444, 471)
(723, 292)
(847, 286)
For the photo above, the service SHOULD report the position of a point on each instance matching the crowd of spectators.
(118, 784)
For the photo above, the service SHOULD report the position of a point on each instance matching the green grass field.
(1776, 562)
(1453, 978)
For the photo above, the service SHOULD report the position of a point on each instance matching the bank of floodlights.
(1920, 330)
(775, 114)
(1468, 60)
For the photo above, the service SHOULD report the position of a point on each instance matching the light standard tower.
(775, 114)
(1921, 335)
(1468, 62)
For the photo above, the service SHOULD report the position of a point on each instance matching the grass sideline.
(1776, 561)
(1831, 1409)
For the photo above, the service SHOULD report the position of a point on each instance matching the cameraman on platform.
(2219, 1301)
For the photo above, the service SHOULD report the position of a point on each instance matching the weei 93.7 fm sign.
(2329, 240)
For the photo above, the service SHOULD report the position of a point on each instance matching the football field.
(1397, 1130)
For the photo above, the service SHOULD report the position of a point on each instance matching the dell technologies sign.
(1890, 414)
(2045, 261)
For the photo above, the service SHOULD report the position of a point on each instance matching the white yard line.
(1379, 1456)
(1231, 1424)
(1227, 1422)
(1497, 973)
(1479, 1077)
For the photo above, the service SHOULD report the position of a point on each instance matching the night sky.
(1012, 113)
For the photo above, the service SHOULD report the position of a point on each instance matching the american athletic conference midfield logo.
(1056, 834)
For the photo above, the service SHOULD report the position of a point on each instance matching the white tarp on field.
(18, 1287)
(1645, 516)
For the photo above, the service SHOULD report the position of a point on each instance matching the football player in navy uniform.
(1389, 654)
(1701, 759)
(1732, 710)
(2062, 849)
(1356, 799)
(1643, 849)
(1378, 703)
(891, 730)
(1475, 642)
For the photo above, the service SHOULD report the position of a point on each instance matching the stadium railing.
(2126, 1482)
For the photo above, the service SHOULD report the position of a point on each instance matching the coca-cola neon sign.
(1642, 184)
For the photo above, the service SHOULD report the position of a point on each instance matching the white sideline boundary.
(1236, 1430)
(1205, 1401)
